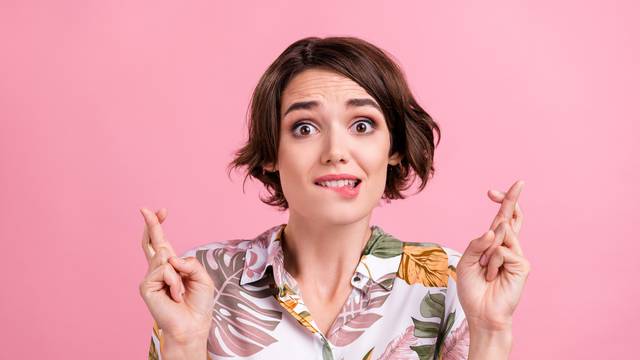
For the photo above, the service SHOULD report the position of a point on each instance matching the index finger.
(153, 236)
(505, 213)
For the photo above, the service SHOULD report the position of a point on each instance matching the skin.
(326, 233)
(179, 294)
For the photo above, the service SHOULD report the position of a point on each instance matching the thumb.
(192, 269)
(478, 246)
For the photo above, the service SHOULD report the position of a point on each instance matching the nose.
(335, 148)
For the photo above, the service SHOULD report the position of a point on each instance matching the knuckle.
(162, 253)
(509, 229)
(167, 267)
(143, 288)
(502, 251)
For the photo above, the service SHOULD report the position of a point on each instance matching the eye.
(364, 126)
(303, 129)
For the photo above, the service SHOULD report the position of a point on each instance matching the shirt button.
(356, 278)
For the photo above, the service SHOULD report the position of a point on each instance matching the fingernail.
(483, 259)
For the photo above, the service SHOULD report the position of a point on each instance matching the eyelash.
(297, 125)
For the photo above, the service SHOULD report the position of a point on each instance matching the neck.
(323, 255)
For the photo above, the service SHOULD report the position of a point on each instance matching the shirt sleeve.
(156, 342)
(455, 332)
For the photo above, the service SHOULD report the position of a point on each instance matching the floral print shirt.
(403, 304)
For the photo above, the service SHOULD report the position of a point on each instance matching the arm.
(486, 344)
(167, 348)
(491, 276)
(192, 350)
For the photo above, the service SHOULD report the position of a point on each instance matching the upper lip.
(335, 177)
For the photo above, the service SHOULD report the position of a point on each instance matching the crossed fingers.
(507, 223)
(158, 250)
(153, 236)
(509, 209)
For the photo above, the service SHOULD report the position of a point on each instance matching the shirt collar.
(379, 260)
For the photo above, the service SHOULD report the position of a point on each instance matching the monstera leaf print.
(239, 324)
(431, 306)
(359, 313)
(424, 264)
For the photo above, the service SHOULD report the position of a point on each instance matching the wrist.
(490, 326)
(179, 348)
(489, 343)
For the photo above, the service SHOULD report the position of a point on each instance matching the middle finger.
(518, 216)
(153, 236)
(508, 204)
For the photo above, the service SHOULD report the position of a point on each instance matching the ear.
(395, 159)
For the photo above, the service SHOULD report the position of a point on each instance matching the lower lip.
(345, 191)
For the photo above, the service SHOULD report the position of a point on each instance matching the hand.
(178, 292)
(492, 271)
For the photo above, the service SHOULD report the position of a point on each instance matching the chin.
(339, 214)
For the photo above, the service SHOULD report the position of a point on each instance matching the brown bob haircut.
(412, 129)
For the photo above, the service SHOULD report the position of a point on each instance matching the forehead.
(321, 85)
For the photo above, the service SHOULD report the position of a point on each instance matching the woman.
(333, 129)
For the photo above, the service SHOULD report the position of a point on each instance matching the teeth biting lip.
(355, 184)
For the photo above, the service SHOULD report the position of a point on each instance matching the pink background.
(107, 107)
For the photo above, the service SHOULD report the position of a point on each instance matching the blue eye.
(303, 129)
(362, 128)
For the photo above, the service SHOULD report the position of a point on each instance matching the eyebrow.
(308, 105)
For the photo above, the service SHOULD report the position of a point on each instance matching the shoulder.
(426, 263)
(234, 246)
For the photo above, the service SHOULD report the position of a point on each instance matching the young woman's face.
(332, 126)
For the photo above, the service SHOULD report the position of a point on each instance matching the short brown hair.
(412, 129)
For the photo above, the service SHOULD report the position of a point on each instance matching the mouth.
(349, 183)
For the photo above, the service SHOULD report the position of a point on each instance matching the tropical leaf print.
(426, 265)
(368, 355)
(452, 273)
(451, 318)
(432, 305)
(382, 245)
(257, 255)
(400, 347)
(359, 313)
(291, 301)
(153, 355)
(238, 323)
(456, 345)
(153, 352)
(327, 354)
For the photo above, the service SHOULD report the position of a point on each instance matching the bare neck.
(323, 256)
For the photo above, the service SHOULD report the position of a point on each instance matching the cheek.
(375, 160)
(294, 169)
